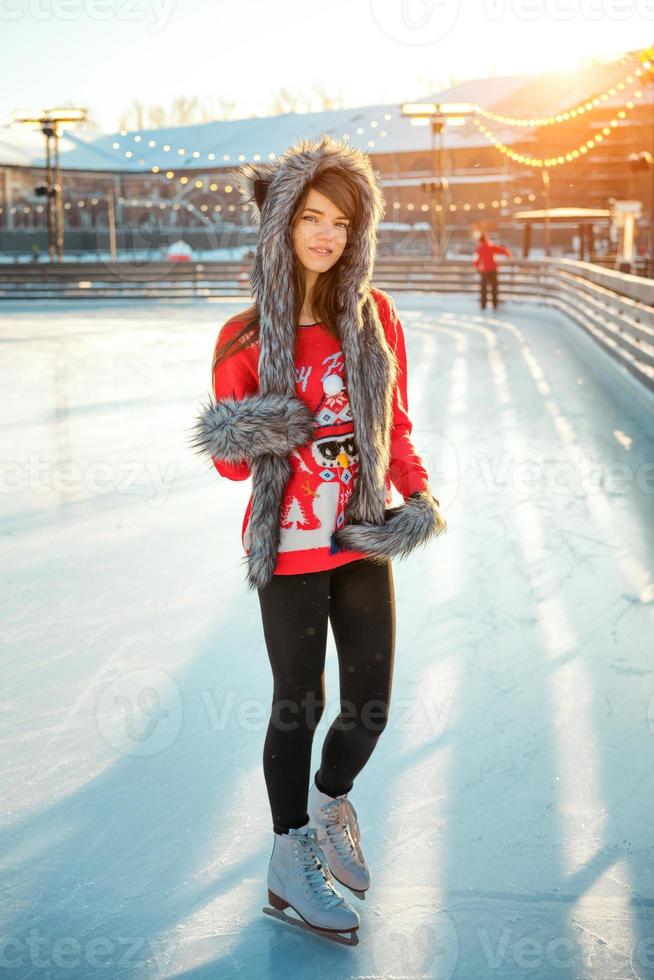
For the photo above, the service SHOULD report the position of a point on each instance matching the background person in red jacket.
(485, 263)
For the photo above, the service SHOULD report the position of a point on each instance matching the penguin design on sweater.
(330, 462)
(338, 450)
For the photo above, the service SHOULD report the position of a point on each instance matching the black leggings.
(358, 600)
(488, 279)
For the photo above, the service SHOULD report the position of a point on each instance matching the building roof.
(375, 129)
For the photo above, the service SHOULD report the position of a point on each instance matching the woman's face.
(320, 233)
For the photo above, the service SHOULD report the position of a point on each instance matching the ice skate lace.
(342, 827)
(315, 869)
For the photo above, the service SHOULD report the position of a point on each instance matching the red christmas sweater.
(324, 470)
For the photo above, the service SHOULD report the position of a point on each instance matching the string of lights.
(632, 77)
(209, 184)
(578, 110)
(193, 155)
(561, 158)
(179, 206)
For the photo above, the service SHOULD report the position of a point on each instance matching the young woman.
(310, 389)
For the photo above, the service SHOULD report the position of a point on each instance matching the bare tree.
(183, 111)
(216, 107)
(283, 101)
(133, 118)
(327, 101)
(320, 101)
(157, 117)
(187, 110)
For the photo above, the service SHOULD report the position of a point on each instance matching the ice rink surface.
(506, 813)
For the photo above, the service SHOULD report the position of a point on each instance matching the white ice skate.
(299, 876)
(337, 831)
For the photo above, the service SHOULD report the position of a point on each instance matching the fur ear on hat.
(252, 181)
(260, 191)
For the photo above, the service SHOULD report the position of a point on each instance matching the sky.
(103, 54)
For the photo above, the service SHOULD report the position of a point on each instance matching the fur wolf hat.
(265, 427)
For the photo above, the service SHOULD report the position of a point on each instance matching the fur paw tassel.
(237, 430)
(406, 527)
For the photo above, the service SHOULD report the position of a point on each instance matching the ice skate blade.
(332, 934)
(360, 893)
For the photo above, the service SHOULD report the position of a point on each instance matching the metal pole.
(546, 182)
(58, 198)
(49, 183)
(650, 250)
(433, 192)
(111, 220)
(443, 183)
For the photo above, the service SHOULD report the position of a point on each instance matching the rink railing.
(615, 308)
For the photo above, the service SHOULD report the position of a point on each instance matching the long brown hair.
(342, 191)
